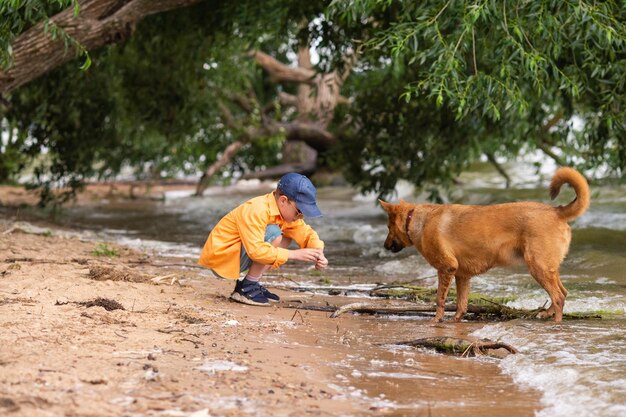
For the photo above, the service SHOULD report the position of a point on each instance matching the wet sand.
(181, 348)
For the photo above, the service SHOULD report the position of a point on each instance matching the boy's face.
(288, 209)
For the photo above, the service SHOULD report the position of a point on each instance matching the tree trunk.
(99, 23)
(229, 152)
(307, 135)
(317, 97)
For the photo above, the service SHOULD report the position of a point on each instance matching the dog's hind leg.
(551, 311)
(563, 290)
(549, 279)
(444, 280)
(462, 296)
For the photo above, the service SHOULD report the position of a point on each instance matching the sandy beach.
(170, 342)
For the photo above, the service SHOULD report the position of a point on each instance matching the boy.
(255, 237)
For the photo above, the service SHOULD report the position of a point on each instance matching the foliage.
(16, 16)
(438, 85)
(102, 249)
(497, 73)
(149, 104)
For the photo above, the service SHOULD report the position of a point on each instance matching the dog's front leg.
(462, 296)
(444, 278)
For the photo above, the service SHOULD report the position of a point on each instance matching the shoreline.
(180, 347)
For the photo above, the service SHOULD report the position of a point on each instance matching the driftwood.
(378, 308)
(460, 347)
(413, 293)
(490, 310)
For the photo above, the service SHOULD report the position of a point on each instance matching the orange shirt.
(246, 225)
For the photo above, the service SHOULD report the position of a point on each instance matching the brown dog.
(462, 241)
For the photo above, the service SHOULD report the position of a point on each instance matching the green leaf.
(87, 62)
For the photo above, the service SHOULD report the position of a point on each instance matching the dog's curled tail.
(579, 183)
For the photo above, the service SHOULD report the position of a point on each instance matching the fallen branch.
(483, 311)
(311, 307)
(377, 308)
(327, 289)
(459, 347)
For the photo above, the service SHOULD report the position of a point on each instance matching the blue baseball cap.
(300, 190)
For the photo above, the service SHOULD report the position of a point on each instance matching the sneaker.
(270, 295)
(249, 292)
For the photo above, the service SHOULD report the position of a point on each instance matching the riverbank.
(180, 347)
(15, 196)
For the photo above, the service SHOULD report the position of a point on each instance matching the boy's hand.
(320, 262)
(306, 255)
(310, 255)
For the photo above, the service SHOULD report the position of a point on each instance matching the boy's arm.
(303, 234)
(306, 237)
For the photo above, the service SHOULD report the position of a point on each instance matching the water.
(578, 366)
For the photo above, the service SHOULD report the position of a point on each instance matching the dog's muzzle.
(393, 246)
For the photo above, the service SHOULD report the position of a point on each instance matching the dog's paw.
(545, 314)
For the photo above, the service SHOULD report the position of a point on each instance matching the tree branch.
(287, 99)
(552, 122)
(227, 116)
(544, 144)
(223, 160)
(313, 135)
(243, 102)
(545, 147)
(100, 23)
(499, 168)
(349, 62)
(280, 72)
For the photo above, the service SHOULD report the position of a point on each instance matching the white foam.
(414, 265)
(398, 375)
(491, 283)
(604, 280)
(176, 194)
(564, 394)
(367, 234)
(613, 221)
(160, 247)
(566, 367)
(605, 302)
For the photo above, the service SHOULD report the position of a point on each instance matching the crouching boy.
(255, 236)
